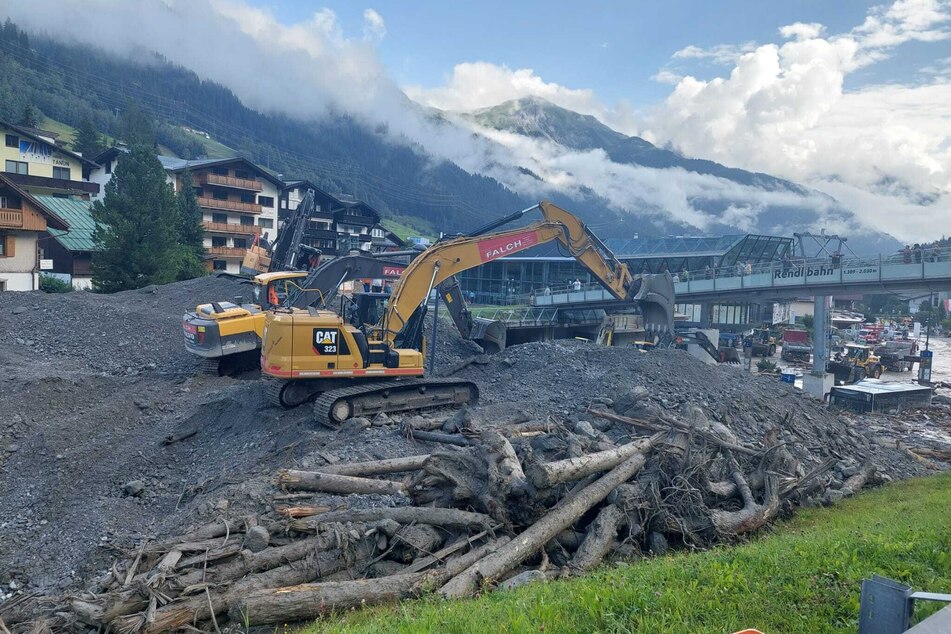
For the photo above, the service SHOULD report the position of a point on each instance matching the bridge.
(785, 279)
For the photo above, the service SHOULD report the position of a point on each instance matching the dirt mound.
(109, 436)
(122, 335)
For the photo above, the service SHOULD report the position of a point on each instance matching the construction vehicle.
(313, 354)
(856, 363)
(762, 341)
(228, 334)
(796, 346)
(898, 355)
(727, 344)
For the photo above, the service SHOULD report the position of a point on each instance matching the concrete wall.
(18, 271)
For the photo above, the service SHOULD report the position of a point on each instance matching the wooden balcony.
(227, 227)
(250, 184)
(11, 218)
(226, 252)
(229, 205)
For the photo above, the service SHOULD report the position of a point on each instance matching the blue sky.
(613, 48)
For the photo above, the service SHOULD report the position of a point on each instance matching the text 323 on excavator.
(351, 372)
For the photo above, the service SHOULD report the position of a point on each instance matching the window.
(108, 167)
(266, 201)
(242, 174)
(247, 220)
(247, 198)
(10, 202)
(198, 192)
(17, 167)
(13, 140)
(240, 243)
(219, 265)
(284, 204)
(222, 218)
(217, 241)
(220, 194)
(220, 171)
(267, 223)
(61, 172)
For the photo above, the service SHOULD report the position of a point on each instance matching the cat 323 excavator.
(316, 354)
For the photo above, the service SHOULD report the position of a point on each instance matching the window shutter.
(9, 251)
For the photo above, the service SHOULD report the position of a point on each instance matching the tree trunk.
(600, 540)
(401, 514)
(537, 535)
(375, 467)
(331, 483)
(547, 475)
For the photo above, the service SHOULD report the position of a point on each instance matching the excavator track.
(335, 406)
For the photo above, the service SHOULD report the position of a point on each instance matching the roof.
(81, 225)
(109, 154)
(175, 164)
(27, 133)
(53, 220)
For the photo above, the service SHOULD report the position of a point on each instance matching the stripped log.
(301, 511)
(667, 423)
(752, 516)
(332, 483)
(855, 483)
(307, 601)
(547, 475)
(600, 540)
(432, 436)
(401, 514)
(536, 536)
(376, 467)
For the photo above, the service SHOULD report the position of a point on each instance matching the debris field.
(140, 495)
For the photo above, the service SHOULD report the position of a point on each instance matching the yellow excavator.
(317, 354)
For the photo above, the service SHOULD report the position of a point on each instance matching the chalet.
(70, 252)
(33, 161)
(382, 240)
(23, 219)
(238, 201)
(321, 233)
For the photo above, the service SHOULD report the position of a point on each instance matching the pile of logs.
(487, 505)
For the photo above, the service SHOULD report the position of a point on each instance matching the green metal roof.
(77, 213)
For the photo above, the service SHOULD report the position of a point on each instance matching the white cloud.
(802, 31)
(783, 109)
(373, 26)
(720, 54)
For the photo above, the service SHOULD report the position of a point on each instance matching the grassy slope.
(804, 578)
(402, 227)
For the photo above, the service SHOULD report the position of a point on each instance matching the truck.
(796, 346)
(898, 355)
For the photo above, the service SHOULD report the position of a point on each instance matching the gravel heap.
(96, 386)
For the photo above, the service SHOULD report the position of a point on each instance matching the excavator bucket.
(489, 333)
(655, 298)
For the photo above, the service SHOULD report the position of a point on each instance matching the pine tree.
(137, 226)
(30, 117)
(87, 141)
(191, 234)
(136, 127)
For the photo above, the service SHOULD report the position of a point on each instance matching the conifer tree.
(88, 142)
(191, 234)
(137, 226)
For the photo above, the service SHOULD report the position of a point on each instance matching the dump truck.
(796, 347)
(898, 355)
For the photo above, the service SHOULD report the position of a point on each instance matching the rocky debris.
(85, 426)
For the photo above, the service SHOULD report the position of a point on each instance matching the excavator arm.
(653, 293)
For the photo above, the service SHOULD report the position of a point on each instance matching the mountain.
(538, 118)
(404, 180)
(792, 208)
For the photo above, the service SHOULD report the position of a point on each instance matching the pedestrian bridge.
(926, 272)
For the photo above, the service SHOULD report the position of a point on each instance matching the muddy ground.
(95, 385)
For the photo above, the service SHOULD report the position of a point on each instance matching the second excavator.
(316, 354)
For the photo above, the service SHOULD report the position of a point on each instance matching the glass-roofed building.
(499, 281)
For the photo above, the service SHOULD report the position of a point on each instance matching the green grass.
(804, 577)
(406, 227)
(67, 133)
(214, 149)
